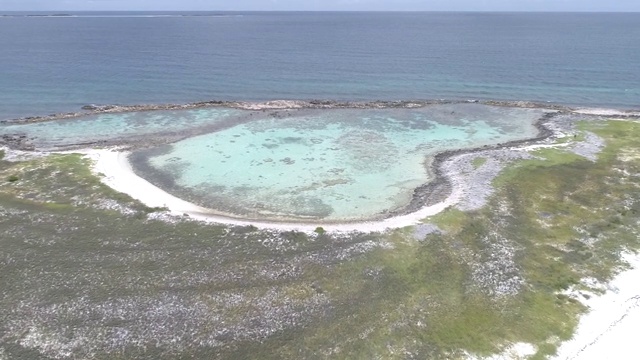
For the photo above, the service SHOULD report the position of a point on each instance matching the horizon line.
(335, 11)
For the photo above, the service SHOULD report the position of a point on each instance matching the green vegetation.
(12, 178)
(478, 161)
(490, 278)
(428, 298)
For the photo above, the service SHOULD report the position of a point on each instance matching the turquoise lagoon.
(325, 165)
(120, 126)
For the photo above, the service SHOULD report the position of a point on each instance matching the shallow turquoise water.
(106, 127)
(329, 165)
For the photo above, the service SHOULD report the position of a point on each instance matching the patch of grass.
(575, 137)
(478, 161)
(546, 158)
(13, 178)
(60, 177)
(451, 220)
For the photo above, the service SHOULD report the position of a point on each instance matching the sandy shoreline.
(118, 174)
(610, 327)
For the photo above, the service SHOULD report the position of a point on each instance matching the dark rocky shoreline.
(440, 187)
(279, 105)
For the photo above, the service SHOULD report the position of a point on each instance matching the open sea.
(58, 64)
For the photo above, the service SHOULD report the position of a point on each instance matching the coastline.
(613, 316)
(612, 320)
(88, 110)
(446, 189)
(118, 174)
(115, 170)
(442, 183)
(426, 200)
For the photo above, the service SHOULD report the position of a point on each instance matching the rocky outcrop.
(286, 104)
(17, 141)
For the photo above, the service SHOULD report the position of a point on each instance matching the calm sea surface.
(53, 64)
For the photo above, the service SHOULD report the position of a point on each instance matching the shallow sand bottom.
(119, 175)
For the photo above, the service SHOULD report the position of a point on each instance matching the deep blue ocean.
(54, 64)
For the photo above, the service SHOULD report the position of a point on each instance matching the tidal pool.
(325, 165)
(119, 126)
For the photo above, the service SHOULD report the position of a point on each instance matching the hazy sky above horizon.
(326, 5)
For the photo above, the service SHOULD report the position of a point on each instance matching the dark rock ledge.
(277, 105)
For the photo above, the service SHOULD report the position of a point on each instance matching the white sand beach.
(610, 329)
(606, 112)
(118, 174)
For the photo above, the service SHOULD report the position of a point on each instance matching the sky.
(321, 5)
